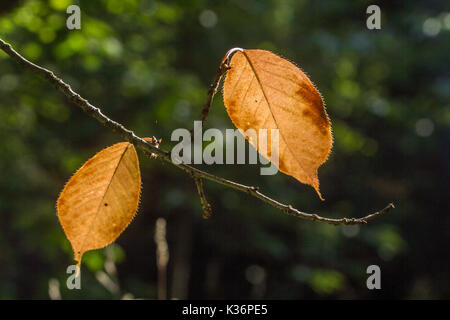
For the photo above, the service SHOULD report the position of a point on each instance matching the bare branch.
(213, 88)
(203, 201)
(223, 68)
(150, 148)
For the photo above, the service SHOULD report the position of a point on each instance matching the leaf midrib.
(103, 198)
(273, 116)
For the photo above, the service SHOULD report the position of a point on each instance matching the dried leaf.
(101, 199)
(265, 91)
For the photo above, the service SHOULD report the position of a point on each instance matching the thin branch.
(223, 68)
(150, 148)
(207, 211)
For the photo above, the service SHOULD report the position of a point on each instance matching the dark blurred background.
(148, 65)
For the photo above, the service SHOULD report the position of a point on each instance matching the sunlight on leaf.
(265, 91)
(101, 199)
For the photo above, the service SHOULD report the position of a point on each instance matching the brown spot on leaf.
(231, 105)
(321, 122)
(310, 95)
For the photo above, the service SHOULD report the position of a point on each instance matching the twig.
(203, 201)
(150, 149)
(223, 68)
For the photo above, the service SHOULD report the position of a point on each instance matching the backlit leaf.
(265, 91)
(101, 198)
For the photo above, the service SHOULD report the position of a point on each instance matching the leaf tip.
(320, 195)
(77, 258)
(315, 185)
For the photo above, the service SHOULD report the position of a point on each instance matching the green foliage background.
(148, 65)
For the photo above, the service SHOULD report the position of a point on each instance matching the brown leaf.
(101, 198)
(265, 91)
